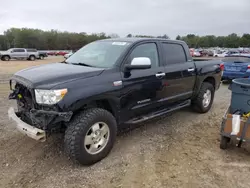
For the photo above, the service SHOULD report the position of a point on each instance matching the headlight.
(49, 96)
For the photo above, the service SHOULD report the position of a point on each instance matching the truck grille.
(24, 100)
(24, 97)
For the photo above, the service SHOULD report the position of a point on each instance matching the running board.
(159, 113)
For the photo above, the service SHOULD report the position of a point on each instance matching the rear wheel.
(226, 81)
(41, 57)
(90, 136)
(32, 58)
(204, 99)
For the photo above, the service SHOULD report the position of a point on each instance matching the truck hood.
(50, 75)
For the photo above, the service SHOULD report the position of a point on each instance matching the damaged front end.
(47, 118)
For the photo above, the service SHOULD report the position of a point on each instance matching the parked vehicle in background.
(191, 51)
(42, 55)
(51, 53)
(20, 53)
(210, 53)
(196, 53)
(106, 84)
(61, 53)
(236, 67)
(220, 53)
(232, 52)
(225, 53)
(68, 54)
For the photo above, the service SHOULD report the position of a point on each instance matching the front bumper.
(30, 131)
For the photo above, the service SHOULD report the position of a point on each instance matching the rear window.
(31, 50)
(236, 59)
(174, 53)
(18, 50)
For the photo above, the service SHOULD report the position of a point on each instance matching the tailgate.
(239, 64)
(236, 67)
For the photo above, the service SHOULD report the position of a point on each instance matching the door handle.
(159, 75)
(190, 69)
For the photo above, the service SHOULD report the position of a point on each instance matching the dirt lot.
(178, 150)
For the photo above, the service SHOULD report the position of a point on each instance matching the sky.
(138, 17)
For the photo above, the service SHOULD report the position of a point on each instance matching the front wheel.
(204, 100)
(41, 57)
(6, 58)
(90, 136)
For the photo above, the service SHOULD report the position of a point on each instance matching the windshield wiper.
(82, 64)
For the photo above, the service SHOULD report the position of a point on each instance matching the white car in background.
(225, 53)
(66, 56)
(197, 53)
(220, 54)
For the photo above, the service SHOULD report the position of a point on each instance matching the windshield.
(101, 54)
(236, 59)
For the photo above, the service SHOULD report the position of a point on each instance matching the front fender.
(84, 91)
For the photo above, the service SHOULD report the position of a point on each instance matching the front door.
(142, 89)
(18, 53)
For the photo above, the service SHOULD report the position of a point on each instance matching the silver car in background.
(19, 53)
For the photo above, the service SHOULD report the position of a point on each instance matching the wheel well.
(210, 80)
(5, 56)
(103, 103)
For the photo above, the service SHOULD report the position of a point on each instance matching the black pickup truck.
(108, 84)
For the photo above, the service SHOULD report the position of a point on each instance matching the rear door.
(142, 88)
(180, 73)
(31, 52)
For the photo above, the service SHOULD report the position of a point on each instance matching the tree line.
(46, 40)
(230, 41)
(57, 40)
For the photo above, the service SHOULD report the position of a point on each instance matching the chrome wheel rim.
(96, 138)
(207, 98)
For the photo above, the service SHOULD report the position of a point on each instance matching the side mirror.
(139, 63)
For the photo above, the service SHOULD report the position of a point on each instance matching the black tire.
(226, 82)
(197, 103)
(6, 58)
(41, 57)
(78, 129)
(224, 142)
(32, 58)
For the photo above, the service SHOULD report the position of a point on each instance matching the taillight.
(222, 66)
(248, 67)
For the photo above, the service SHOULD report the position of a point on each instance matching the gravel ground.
(178, 150)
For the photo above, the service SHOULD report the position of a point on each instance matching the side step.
(159, 113)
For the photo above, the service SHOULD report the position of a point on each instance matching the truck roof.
(137, 39)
